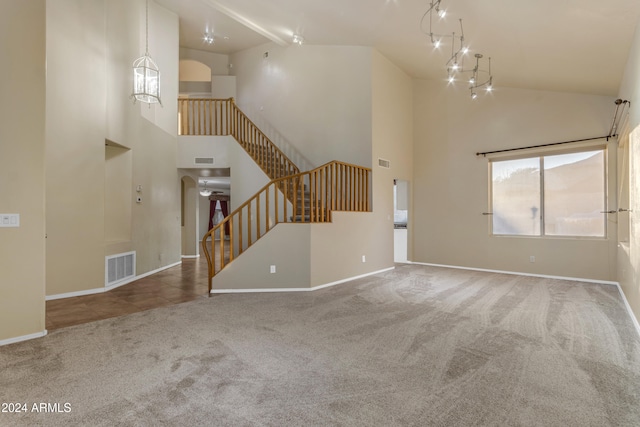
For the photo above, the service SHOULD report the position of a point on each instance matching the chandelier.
(478, 76)
(146, 75)
(205, 192)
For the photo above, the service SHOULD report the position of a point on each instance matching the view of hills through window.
(553, 195)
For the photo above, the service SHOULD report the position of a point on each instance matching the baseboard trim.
(109, 288)
(315, 288)
(516, 273)
(190, 256)
(23, 338)
(629, 310)
(636, 324)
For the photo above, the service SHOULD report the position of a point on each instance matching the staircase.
(290, 197)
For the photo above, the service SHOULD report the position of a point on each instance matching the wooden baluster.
(191, 123)
(286, 198)
(325, 203)
(249, 240)
(334, 185)
(303, 189)
(275, 202)
(210, 127)
(316, 195)
(232, 255)
(198, 128)
(295, 200)
(320, 196)
(367, 192)
(221, 247)
(258, 216)
(240, 240)
(267, 224)
(180, 117)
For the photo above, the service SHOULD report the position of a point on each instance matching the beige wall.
(190, 235)
(628, 258)
(118, 194)
(451, 182)
(22, 117)
(317, 254)
(90, 47)
(392, 112)
(217, 62)
(75, 141)
(287, 246)
(316, 97)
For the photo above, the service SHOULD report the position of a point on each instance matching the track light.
(208, 38)
(476, 77)
(298, 39)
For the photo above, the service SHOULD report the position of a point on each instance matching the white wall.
(451, 182)
(628, 260)
(22, 188)
(317, 97)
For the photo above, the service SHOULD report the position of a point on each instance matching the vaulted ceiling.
(562, 45)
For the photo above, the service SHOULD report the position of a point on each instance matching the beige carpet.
(418, 345)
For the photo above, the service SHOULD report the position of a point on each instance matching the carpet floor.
(415, 346)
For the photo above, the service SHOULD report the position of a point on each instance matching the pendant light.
(205, 192)
(146, 75)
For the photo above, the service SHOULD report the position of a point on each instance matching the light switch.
(9, 220)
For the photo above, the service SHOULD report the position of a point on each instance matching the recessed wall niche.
(118, 192)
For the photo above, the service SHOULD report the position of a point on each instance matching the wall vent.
(119, 268)
(383, 163)
(203, 160)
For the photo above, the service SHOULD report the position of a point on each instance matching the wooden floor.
(182, 283)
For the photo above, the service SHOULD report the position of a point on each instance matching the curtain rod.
(544, 145)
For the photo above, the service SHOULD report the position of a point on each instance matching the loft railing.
(221, 117)
(308, 197)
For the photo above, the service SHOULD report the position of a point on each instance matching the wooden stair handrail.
(333, 186)
(222, 117)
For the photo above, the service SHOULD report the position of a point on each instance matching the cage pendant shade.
(146, 80)
(146, 75)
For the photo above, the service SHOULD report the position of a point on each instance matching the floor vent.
(383, 163)
(119, 268)
(203, 160)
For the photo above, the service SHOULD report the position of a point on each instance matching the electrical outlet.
(272, 269)
(364, 259)
(532, 258)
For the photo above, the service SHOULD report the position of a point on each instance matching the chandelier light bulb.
(465, 50)
(208, 38)
(436, 43)
(474, 95)
(451, 79)
(298, 39)
(442, 13)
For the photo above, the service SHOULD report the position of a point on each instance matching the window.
(550, 195)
